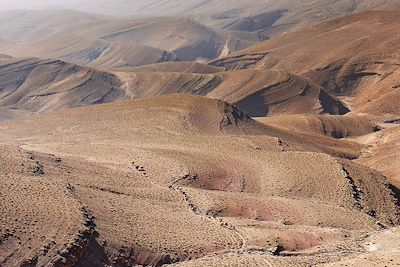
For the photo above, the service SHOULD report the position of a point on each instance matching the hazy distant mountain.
(88, 39)
(270, 17)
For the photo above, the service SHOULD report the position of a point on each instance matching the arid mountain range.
(200, 133)
(268, 16)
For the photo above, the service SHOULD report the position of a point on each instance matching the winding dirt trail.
(194, 209)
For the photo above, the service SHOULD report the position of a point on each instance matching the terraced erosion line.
(355, 191)
(74, 251)
(47, 245)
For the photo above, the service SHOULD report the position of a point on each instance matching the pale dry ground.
(185, 178)
(355, 56)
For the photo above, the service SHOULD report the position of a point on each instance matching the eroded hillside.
(181, 169)
(117, 153)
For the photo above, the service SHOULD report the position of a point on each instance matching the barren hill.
(285, 153)
(181, 169)
(258, 93)
(35, 85)
(42, 85)
(269, 92)
(354, 56)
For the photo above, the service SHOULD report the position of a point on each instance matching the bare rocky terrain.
(181, 184)
(128, 140)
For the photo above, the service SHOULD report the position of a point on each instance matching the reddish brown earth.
(181, 177)
(282, 154)
(32, 85)
(355, 57)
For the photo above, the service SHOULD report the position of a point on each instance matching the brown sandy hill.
(380, 99)
(270, 92)
(187, 109)
(353, 56)
(41, 85)
(350, 35)
(210, 179)
(380, 142)
(183, 114)
(258, 93)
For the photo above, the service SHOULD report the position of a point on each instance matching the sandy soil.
(192, 179)
(197, 181)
